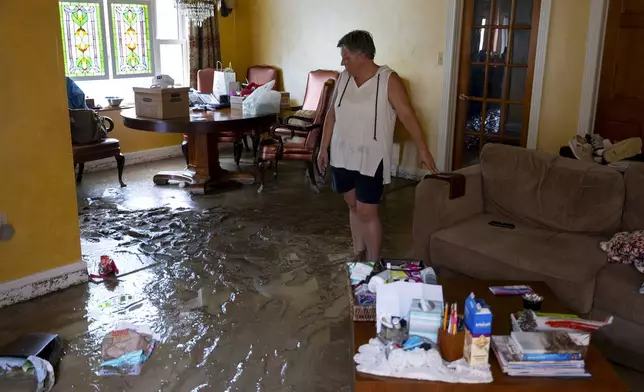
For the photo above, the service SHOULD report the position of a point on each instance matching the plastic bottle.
(428, 275)
(378, 280)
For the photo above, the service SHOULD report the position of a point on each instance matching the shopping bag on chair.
(222, 80)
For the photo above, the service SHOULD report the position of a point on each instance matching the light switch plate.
(440, 58)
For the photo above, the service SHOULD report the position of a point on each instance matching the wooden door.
(620, 102)
(498, 48)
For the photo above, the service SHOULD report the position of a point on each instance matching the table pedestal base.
(201, 184)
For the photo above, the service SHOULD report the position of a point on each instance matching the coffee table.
(604, 377)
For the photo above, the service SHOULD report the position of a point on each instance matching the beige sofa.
(562, 209)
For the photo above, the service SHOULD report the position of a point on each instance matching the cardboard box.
(285, 100)
(162, 103)
(478, 331)
(236, 103)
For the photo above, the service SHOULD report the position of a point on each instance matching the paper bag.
(222, 80)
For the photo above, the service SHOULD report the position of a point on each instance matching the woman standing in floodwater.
(359, 128)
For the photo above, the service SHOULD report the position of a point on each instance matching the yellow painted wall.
(563, 73)
(234, 33)
(301, 35)
(133, 140)
(37, 189)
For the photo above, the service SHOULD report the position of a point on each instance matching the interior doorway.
(620, 99)
(495, 75)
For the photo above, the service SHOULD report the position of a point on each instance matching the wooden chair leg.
(245, 139)
(79, 176)
(314, 184)
(261, 166)
(237, 152)
(184, 150)
(255, 141)
(120, 164)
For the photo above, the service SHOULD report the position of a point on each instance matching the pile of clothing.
(626, 248)
(596, 149)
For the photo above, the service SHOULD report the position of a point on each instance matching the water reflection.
(273, 313)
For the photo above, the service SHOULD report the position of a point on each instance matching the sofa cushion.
(633, 206)
(568, 262)
(618, 291)
(620, 341)
(551, 192)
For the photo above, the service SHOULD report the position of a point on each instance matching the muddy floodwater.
(246, 292)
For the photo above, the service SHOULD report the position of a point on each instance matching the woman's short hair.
(359, 41)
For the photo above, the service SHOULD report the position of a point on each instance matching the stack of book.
(542, 354)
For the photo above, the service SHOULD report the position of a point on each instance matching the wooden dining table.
(204, 173)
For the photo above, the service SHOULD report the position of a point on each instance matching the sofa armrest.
(435, 210)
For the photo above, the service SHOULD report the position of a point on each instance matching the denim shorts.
(368, 189)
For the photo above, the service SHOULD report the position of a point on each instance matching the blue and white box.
(478, 331)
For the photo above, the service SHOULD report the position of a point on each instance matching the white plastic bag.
(263, 100)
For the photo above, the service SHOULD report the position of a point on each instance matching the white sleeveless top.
(363, 134)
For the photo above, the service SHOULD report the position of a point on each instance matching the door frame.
(450, 80)
(590, 85)
(593, 65)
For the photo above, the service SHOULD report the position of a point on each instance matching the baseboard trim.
(408, 173)
(42, 283)
(132, 158)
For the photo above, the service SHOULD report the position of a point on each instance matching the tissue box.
(285, 100)
(236, 104)
(425, 323)
(478, 331)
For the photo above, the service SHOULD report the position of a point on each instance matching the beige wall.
(563, 73)
(301, 35)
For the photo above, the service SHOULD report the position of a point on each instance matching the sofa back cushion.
(633, 218)
(552, 192)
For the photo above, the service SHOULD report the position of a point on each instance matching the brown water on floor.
(270, 269)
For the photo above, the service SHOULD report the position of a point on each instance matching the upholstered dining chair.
(304, 114)
(314, 85)
(260, 74)
(299, 142)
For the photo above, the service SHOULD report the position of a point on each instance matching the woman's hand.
(427, 159)
(323, 159)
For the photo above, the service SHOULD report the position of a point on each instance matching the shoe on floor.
(622, 150)
(581, 149)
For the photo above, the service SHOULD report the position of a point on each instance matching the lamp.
(197, 11)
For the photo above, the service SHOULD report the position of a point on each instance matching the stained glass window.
(83, 51)
(131, 38)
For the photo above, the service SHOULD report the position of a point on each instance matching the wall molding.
(539, 73)
(42, 283)
(450, 82)
(592, 67)
(132, 158)
(409, 173)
